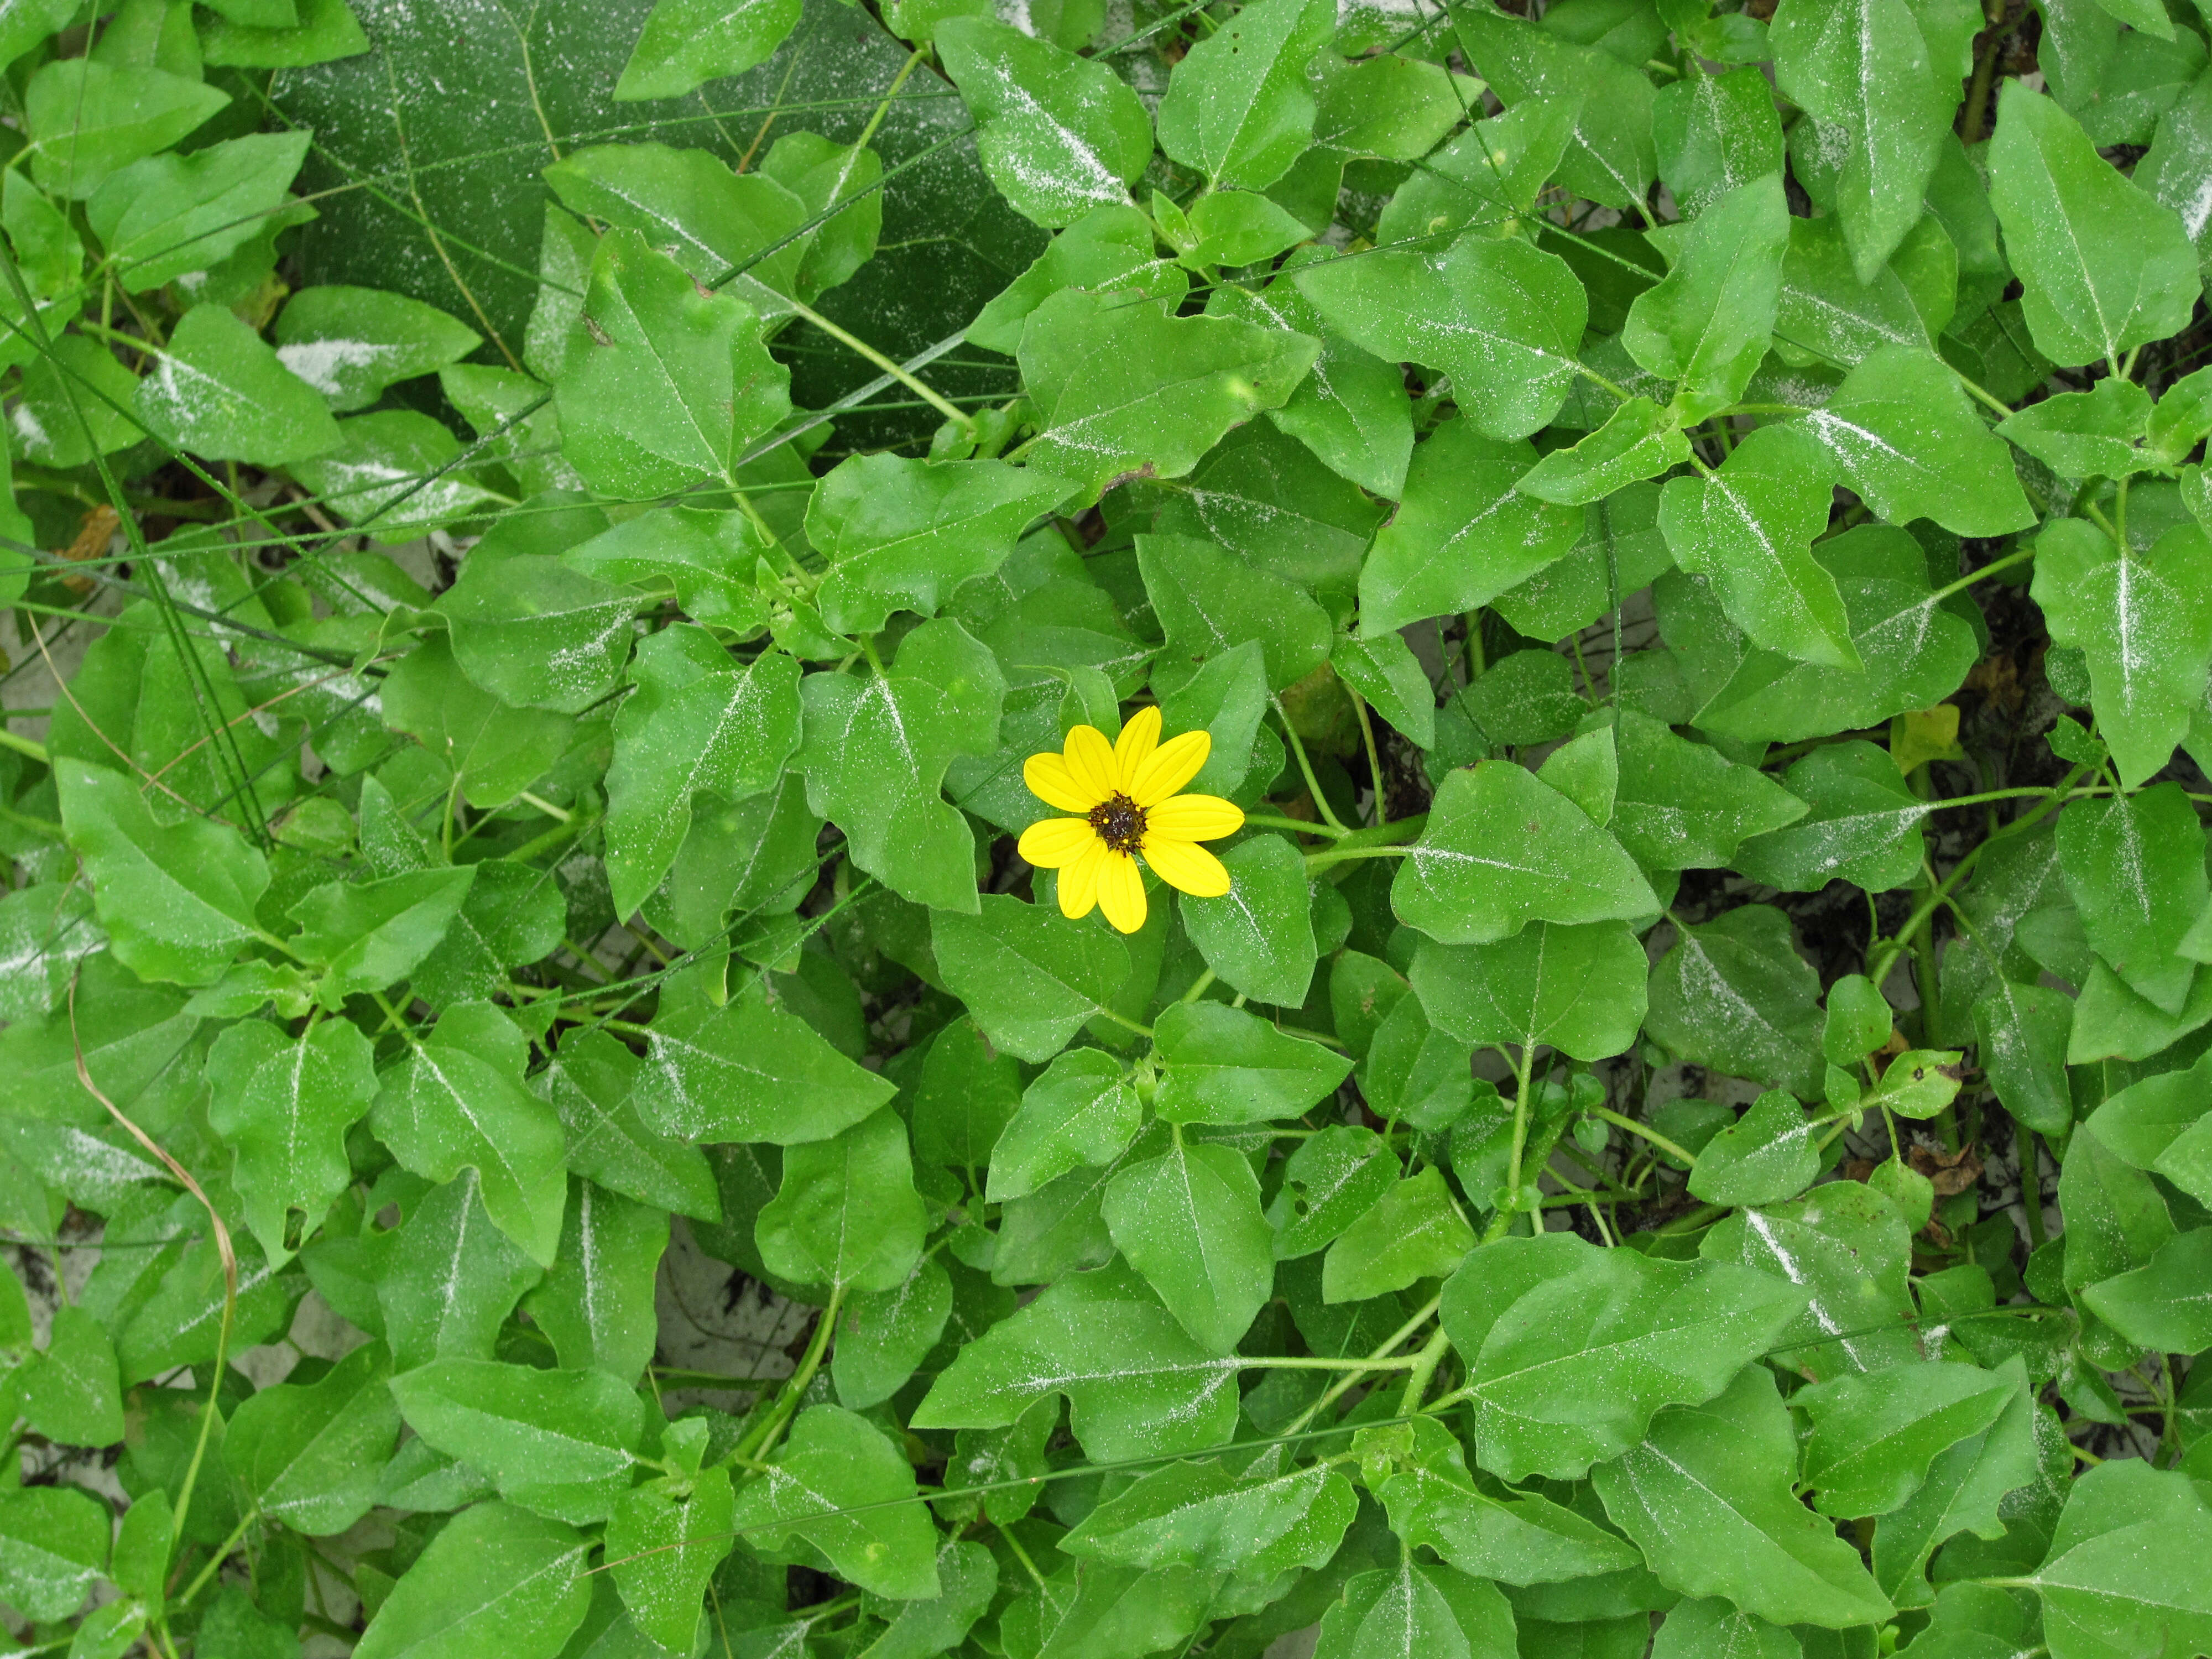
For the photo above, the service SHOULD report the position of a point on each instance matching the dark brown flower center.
(1120, 822)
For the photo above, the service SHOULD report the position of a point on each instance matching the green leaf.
(1468, 881)
(2106, 1584)
(1413, 1611)
(664, 1541)
(1707, 1496)
(1383, 669)
(1570, 1349)
(1864, 825)
(1030, 977)
(1712, 1626)
(71, 1392)
(538, 634)
(1849, 1248)
(560, 1443)
(2161, 1304)
(1713, 132)
(1706, 325)
(1259, 936)
(2022, 1030)
(88, 118)
(589, 1082)
(835, 1462)
(1333, 1178)
(1580, 989)
(964, 1097)
(217, 389)
(1749, 527)
(53, 1544)
(2105, 267)
(456, 1101)
(1352, 411)
(696, 722)
(1189, 1221)
(446, 1279)
(672, 385)
(750, 1070)
(2134, 865)
(176, 897)
(1521, 1538)
(395, 470)
(883, 1336)
(596, 1302)
(1080, 1111)
(2143, 617)
(169, 215)
(1876, 1435)
(1058, 134)
(1881, 83)
(1827, 310)
(1415, 1072)
(847, 1212)
(1764, 1156)
(1126, 389)
(2084, 435)
(366, 934)
(1910, 443)
(351, 342)
(1414, 1232)
(1639, 440)
(1263, 1522)
(284, 1106)
(1735, 995)
(1965, 1485)
(1684, 805)
(710, 221)
(1503, 318)
(309, 1455)
(1138, 1385)
(2157, 1124)
(900, 535)
(1620, 550)
(710, 558)
(1111, 245)
(1611, 158)
(1918, 649)
(1238, 108)
(1223, 1066)
(496, 1579)
(326, 31)
(968, 1579)
(1463, 534)
(1209, 601)
(686, 43)
(876, 752)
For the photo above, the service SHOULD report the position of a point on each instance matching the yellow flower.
(1126, 793)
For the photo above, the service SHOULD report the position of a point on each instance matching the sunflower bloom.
(1125, 795)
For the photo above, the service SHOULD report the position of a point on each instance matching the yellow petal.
(1191, 869)
(1051, 782)
(1192, 817)
(1121, 892)
(1050, 843)
(1078, 881)
(1169, 767)
(1136, 742)
(1091, 763)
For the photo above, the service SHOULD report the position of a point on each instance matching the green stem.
(37, 751)
(1316, 1363)
(1306, 768)
(1425, 1365)
(919, 388)
(1983, 574)
(200, 1580)
(1296, 826)
(1337, 1389)
(1503, 1219)
(1649, 1133)
(757, 1445)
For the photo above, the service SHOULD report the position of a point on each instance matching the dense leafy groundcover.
(552, 536)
